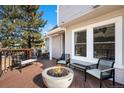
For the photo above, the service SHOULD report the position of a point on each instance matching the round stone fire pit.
(57, 77)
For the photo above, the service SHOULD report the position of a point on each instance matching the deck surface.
(31, 77)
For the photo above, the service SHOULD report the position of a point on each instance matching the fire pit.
(57, 77)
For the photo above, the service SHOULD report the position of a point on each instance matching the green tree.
(17, 23)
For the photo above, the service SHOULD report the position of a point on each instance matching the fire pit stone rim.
(44, 73)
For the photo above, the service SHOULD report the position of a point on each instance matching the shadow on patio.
(39, 81)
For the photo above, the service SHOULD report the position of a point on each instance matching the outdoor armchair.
(64, 59)
(104, 70)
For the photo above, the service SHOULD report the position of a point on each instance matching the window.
(80, 43)
(104, 41)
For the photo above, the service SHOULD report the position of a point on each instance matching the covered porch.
(56, 42)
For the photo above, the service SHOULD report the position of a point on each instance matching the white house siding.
(117, 16)
(68, 35)
(68, 41)
(67, 13)
(56, 46)
(120, 72)
(123, 40)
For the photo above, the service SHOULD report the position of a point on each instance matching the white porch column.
(50, 47)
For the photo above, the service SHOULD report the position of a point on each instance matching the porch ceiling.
(102, 10)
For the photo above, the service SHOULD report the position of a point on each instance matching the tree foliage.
(19, 22)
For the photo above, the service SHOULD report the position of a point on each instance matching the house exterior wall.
(68, 41)
(68, 33)
(112, 17)
(123, 40)
(56, 46)
(73, 11)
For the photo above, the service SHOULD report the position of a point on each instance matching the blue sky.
(50, 15)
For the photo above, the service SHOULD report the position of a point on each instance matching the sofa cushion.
(96, 73)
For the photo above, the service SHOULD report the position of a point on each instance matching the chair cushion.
(61, 62)
(96, 73)
(28, 61)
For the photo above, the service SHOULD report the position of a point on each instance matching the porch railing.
(6, 57)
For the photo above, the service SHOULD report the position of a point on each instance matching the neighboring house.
(88, 32)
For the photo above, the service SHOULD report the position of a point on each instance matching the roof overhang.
(56, 31)
(101, 10)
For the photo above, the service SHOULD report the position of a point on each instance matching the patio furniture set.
(53, 76)
(102, 70)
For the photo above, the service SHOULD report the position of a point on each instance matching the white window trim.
(81, 43)
(118, 41)
(73, 43)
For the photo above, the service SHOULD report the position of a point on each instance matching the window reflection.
(104, 41)
(80, 43)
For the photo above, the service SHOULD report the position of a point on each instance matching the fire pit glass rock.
(57, 77)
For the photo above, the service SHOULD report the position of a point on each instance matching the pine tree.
(18, 23)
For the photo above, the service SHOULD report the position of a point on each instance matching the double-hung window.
(80, 43)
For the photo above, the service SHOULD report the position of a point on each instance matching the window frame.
(89, 27)
(105, 42)
(81, 30)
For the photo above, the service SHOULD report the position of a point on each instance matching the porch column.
(50, 47)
